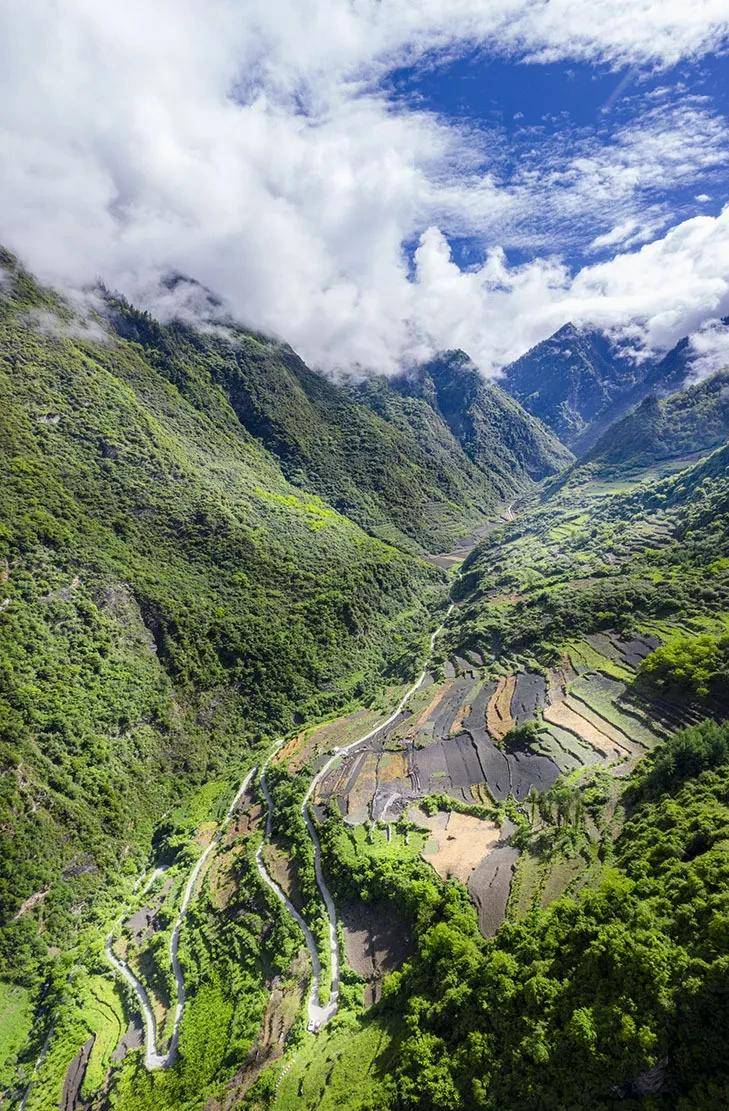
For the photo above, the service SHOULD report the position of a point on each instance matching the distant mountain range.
(689, 421)
(577, 382)
(570, 380)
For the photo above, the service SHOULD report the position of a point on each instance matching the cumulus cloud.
(254, 147)
(710, 350)
(650, 297)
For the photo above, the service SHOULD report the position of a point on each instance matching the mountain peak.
(570, 379)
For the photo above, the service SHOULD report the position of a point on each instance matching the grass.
(338, 1069)
(105, 1017)
(16, 1018)
(526, 885)
(588, 690)
(586, 658)
(93, 1010)
(396, 849)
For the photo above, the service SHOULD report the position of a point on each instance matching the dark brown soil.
(75, 1077)
(133, 1038)
(530, 695)
(490, 884)
(376, 942)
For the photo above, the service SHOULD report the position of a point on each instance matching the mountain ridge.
(570, 380)
(380, 453)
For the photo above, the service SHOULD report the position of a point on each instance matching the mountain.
(667, 375)
(393, 463)
(600, 619)
(571, 380)
(692, 420)
(506, 443)
(180, 593)
(578, 383)
(168, 599)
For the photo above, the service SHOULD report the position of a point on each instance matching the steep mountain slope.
(387, 462)
(657, 379)
(592, 559)
(693, 420)
(496, 434)
(168, 599)
(579, 384)
(398, 483)
(668, 375)
(571, 380)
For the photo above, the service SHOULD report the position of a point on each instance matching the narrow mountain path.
(318, 1014)
(153, 1059)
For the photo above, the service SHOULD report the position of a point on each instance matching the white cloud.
(710, 347)
(651, 297)
(247, 145)
(620, 181)
(621, 233)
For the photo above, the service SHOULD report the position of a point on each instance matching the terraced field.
(476, 739)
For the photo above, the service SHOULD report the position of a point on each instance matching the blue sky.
(376, 182)
(538, 115)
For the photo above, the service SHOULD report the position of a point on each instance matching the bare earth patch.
(498, 714)
(458, 843)
(490, 884)
(376, 941)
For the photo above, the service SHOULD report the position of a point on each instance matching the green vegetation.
(432, 804)
(693, 420)
(386, 454)
(522, 736)
(160, 614)
(204, 546)
(16, 1017)
(695, 665)
(168, 603)
(620, 986)
(630, 560)
(497, 435)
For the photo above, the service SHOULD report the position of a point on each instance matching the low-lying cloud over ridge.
(255, 147)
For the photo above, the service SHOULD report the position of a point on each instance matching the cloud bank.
(254, 146)
(710, 350)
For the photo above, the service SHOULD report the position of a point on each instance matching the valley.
(351, 786)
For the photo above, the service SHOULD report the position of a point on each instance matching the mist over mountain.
(579, 381)
(364, 556)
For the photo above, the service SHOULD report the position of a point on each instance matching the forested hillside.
(690, 421)
(503, 440)
(599, 1001)
(397, 465)
(600, 624)
(413, 490)
(505, 877)
(168, 600)
(595, 557)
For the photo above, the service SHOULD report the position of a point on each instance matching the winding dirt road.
(319, 1014)
(153, 1059)
(316, 1014)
